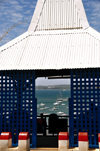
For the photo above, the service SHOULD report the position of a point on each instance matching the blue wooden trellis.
(85, 105)
(18, 106)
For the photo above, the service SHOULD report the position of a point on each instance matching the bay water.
(47, 98)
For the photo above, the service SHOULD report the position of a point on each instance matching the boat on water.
(64, 114)
(46, 107)
(60, 112)
(60, 101)
(45, 114)
(66, 99)
(56, 103)
(60, 98)
(64, 90)
(42, 108)
(42, 104)
(62, 104)
(55, 108)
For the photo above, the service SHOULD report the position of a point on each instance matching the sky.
(14, 12)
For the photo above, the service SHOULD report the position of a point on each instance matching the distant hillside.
(61, 87)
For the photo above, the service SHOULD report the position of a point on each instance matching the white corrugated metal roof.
(48, 47)
(59, 14)
(60, 49)
(66, 17)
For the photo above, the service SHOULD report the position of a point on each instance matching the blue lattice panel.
(85, 105)
(18, 104)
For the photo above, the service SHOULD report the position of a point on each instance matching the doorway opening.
(53, 103)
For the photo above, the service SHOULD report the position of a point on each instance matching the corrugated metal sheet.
(59, 14)
(52, 50)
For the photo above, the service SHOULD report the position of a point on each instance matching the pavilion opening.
(53, 102)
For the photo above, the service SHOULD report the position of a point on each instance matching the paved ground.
(49, 144)
(51, 149)
(56, 149)
(45, 149)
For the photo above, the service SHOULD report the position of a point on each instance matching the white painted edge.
(6, 143)
(82, 13)
(36, 15)
(10, 143)
(99, 146)
(63, 144)
(83, 145)
(93, 33)
(24, 144)
(14, 41)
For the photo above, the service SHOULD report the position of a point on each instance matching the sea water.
(48, 98)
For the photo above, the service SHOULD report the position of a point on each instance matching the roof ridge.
(14, 41)
(93, 33)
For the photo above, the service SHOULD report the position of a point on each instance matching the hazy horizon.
(46, 82)
(53, 85)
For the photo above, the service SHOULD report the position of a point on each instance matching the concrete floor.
(45, 149)
(50, 149)
(48, 144)
(56, 149)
